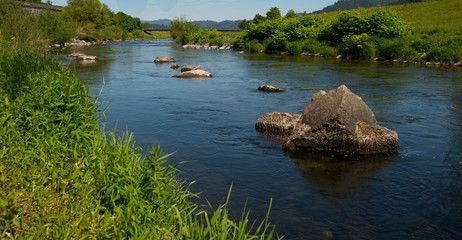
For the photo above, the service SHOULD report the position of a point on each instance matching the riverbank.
(367, 34)
(64, 176)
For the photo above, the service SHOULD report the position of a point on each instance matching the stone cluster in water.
(338, 122)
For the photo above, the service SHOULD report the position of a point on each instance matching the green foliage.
(17, 62)
(381, 22)
(57, 27)
(254, 46)
(295, 47)
(205, 36)
(314, 46)
(273, 13)
(358, 46)
(126, 22)
(20, 26)
(95, 20)
(182, 30)
(290, 14)
(399, 48)
(63, 178)
(258, 19)
(244, 24)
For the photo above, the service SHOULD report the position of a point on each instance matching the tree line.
(83, 19)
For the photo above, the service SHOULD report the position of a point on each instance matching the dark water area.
(415, 194)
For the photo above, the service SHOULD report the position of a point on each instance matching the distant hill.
(227, 24)
(353, 4)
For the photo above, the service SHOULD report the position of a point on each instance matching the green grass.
(444, 14)
(160, 35)
(64, 177)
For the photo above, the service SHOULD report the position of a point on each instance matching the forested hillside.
(353, 4)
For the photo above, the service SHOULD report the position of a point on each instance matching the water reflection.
(334, 175)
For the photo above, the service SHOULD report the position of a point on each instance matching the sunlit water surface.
(416, 193)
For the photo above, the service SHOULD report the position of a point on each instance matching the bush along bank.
(62, 177)
(372, 34)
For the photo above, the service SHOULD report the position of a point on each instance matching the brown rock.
(277, 123)
(187, 68)
(197, 73)
(340, 122)
(268, 88)
(175, 66)
(164, 60)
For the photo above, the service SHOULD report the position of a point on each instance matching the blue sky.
(216, 10)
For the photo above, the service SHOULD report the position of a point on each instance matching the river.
(209, 124)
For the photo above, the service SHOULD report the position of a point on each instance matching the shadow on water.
(338, 175)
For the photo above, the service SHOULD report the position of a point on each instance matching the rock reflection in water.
(337, 175)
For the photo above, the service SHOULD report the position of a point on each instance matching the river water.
(416, 193)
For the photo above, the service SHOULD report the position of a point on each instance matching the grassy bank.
(429, 31)
(160, 35)
(64, 177)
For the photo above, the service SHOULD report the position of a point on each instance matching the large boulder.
(277, 123)
(164, 60)
(197, 73)
(340, 122)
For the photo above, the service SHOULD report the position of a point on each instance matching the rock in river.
(86, 58)
(164, 60)
(187, 68)
(268, 88)
(197, 73)
(277, 123)
(340, 122)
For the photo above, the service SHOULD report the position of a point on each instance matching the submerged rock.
(175, 66)
(197, 73)
(164, 60)
(76, 54)
(340, 122)
(268, 88)
(277, 123)
(82, 57)
(87, 58)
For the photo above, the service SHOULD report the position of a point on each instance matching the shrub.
(398, 48)
(358, 46)
(316, 47)
(447, 54)
(295, 47)
(182, 30)
(17, 62)
(255, 46)
(57, 27)
(20, 26)
(382, 22)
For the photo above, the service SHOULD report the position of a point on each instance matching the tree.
(86, 12)
(146, 25)
(258, 19)
(273, 13)
(291, 14)
(244, 24)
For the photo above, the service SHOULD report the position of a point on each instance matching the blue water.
(416, 193)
